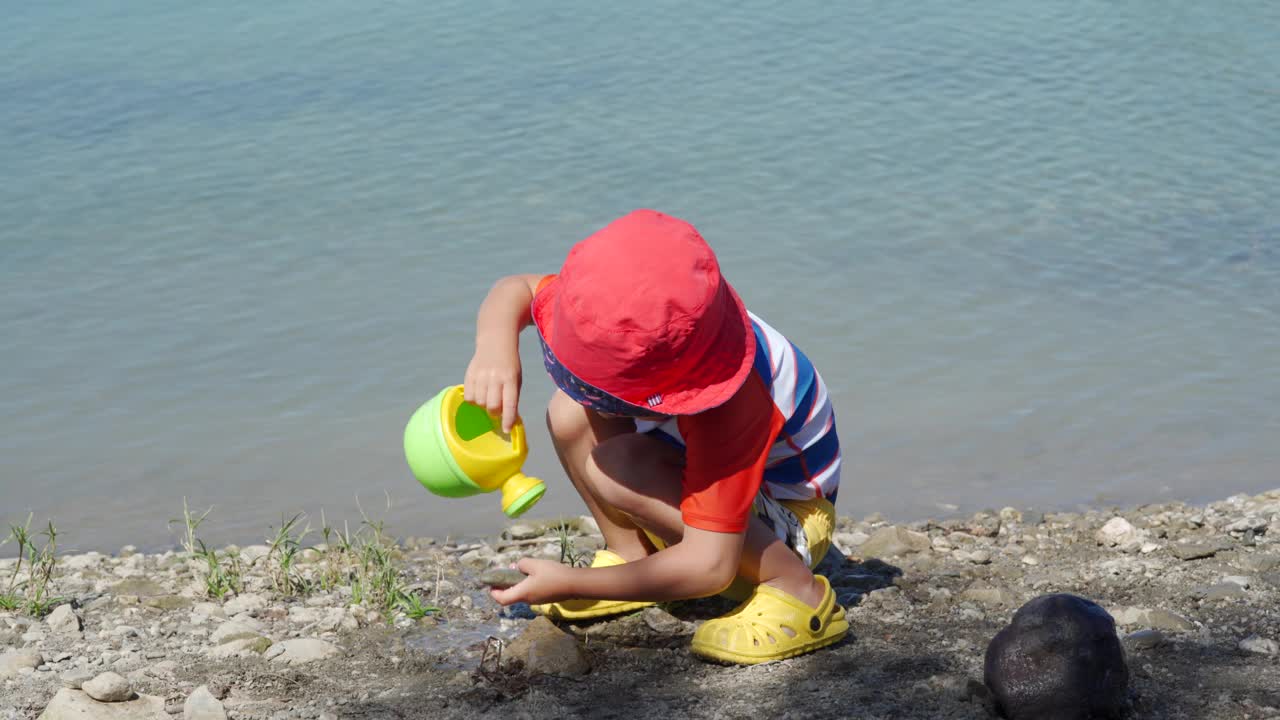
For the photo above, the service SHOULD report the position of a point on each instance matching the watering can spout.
(519, 493)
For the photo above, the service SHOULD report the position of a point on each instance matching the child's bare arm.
(493, 376)
(703, 563)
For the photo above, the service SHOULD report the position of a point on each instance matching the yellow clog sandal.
(771, 625)
(588, 609)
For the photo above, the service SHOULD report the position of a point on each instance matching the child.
(700, 439)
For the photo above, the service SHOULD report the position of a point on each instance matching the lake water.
(1033, 246)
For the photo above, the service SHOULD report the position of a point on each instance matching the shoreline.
(368, 626)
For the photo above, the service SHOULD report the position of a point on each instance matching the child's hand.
(547, 581)
(493, 380)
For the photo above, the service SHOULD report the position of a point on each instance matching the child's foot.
(587, 609)
(772, 625)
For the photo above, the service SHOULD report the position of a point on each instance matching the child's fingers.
(510, 400)
(493, 396)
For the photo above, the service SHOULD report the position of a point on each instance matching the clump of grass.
(366, 561)
(223, 574)
(569, 555)
(412, 605)
(32, 593)
(282, 557)
(191, 523)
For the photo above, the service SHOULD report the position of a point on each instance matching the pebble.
(242, 647)
(523, 532)
(108, 687)
(302, 650)
(236, 630)
(1221, 591)
(662, 622)
(202, 705)
(253, 553)
(987, 594)
(1197, 550)
(138, 588)
(501, 577)
(14, 661)
(75, 679)
(64, 621)
(980, 557)
(848, 541)
(1144, 639)
(1119, 532)
(893, 541)
(1260, 645)
(247, 603)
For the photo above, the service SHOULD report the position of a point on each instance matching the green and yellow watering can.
(457, 449)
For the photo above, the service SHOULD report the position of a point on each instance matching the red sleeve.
(725, 453)
(543, 283)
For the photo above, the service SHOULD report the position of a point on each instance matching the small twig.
(522, 543)
(495, 644)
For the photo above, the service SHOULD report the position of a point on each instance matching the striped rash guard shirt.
(776, 435)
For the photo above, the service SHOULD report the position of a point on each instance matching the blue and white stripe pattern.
(805, 461)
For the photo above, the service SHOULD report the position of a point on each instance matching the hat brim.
(720, 373)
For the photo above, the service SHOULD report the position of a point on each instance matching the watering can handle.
(517, 431)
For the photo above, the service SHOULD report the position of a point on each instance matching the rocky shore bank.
(364, 626)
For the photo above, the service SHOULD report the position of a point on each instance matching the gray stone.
(1256, 562)
(75, 679)
(14, 661)
(501, 577)
(168, 602)
(305, 650)
(254, 553)
(987, 594)
(1160, 619)
(545, 649)
(202, 705)
(893, 541)
(661, 621)
(108, 688)
(1198, 550)
(81, 562)
(1221, 591)
(208, 609)
(71, 704)
(64, 621)
(848, 541)
(138, 587)
(1144, 639)
(980, 557)
(1119, 532)
(523, 532)
(236, 630)
(1260, 645)
(242, 647)
(246, 603)
(1129, 616)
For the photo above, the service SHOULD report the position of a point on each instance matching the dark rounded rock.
(1059, 659)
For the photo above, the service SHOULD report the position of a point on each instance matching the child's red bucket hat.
(641, 312)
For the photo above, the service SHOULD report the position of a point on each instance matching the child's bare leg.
(640, 476)
(576, 432)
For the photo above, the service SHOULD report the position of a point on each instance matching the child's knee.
(566, 419)
(620, 465)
